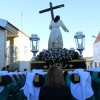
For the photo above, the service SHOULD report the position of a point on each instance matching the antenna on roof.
(22, 20)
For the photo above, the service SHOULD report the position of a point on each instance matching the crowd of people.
(52, 85)
(7, 68)
(11, 84)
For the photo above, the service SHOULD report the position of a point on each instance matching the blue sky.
(77, 15)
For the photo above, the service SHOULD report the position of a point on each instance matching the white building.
(14, 47)
(96, 52)
(89, 62)
(94, 62)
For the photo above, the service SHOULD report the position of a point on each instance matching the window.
(95, 64)
(99, 64)
(90, 65)
(25, 51)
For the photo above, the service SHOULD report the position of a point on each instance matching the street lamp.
(94, 36)
(34, 39)
(80, 42)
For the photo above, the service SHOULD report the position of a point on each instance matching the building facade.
(96, 52)
(14, 47)
(89, 62)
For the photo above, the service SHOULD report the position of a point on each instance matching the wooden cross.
(51, 9)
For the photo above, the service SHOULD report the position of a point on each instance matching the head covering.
(75, 78)
(5, 79)
(20, 73)
(4, 72)
(15, 73)
(38, 80)
(70, 72)
(83, 89)
(94, 69)
(1, 87)
(30, 91)
(26, 72)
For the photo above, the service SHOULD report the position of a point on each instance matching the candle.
(33, 47)
(80, 45)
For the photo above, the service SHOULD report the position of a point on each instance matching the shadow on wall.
(20, 65)
(24, 64)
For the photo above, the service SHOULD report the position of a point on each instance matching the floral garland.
(52, 56)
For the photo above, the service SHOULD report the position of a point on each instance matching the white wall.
(3, 37)
(23, 44)
(7, 43)
(89, 63)
(96, 53)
